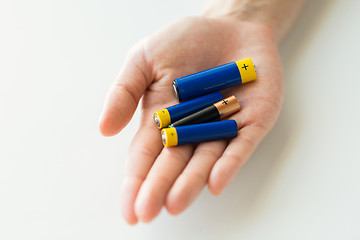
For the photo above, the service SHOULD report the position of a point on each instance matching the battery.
(215, 112)
(214, 79)
(163, 118)
(198, 133)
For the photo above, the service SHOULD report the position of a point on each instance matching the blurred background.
(59, 178)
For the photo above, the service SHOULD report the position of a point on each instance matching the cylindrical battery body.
(207, 114)
(215, 112)
(165, 117)
(214, 79)
(199, 133)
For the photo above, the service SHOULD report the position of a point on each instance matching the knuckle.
(164, 180)
(208, 152)
(195, 176)
(144, 152)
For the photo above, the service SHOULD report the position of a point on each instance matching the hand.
(173, 177)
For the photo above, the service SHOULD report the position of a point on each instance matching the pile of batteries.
(197, 120)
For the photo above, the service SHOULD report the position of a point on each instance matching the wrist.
(277, 15)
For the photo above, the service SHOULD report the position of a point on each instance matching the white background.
(59, 178)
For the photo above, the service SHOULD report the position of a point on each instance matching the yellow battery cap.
(169, 137)
(162, 118)
(247, 70)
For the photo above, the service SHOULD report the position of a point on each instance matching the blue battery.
(199, 133)
(166, 116)
(214, 79)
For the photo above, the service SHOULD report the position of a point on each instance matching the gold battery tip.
(227, 106)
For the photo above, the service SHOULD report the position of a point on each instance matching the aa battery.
(215, 112)
(163, 118)
(198, 133)
(214, 79)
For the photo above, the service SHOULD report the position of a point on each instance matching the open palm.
(155, 176)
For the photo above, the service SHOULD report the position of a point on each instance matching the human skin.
(174, 177)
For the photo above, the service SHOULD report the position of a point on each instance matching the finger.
(143, 151)
(193, 179)
(234, 157)
(125, 93)
(162, 175)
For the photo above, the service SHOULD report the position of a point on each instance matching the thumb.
(125, 93)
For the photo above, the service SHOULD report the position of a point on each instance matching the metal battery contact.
(164, 137)
(176, 89)
(157, 120)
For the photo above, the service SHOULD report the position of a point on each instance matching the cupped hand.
(173, 177)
